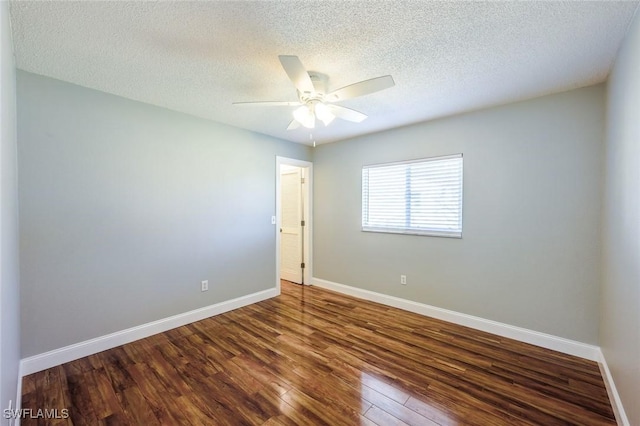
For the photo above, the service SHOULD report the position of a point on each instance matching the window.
(421, 197)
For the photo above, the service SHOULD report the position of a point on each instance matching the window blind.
(414, 197)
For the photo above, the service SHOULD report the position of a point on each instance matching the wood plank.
(395, 409)
(380, 417)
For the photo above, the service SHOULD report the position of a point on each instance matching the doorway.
(293, 221)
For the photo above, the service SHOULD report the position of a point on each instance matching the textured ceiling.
(199, 57)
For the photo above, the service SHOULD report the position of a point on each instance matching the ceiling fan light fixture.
(305, 116)
(323, 113)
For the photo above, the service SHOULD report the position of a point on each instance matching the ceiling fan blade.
(293, 125)
(347, 113)
(297, 73)
(269, 103)
(361, 88)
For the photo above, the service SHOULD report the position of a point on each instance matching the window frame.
(414, 231)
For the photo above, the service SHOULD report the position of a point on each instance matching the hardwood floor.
(311, 357)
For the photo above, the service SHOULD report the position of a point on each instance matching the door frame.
(307, 193)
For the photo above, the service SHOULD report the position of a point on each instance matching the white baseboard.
(614, 397)
(544, 340)
(59, 356)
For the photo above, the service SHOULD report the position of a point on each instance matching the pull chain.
(311, 138)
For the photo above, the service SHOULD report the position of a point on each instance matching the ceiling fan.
(315, 102)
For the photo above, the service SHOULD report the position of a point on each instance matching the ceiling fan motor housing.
(319, 82)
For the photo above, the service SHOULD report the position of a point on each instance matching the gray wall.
(620, 308)
(9, 270)
(530, 252)
(126, 207)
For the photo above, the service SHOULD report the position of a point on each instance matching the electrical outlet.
(273, 220)
(403, 279)
(204, 285)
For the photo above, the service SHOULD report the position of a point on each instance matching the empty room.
(320, 212)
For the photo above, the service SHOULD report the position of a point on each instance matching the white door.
(291, 216)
